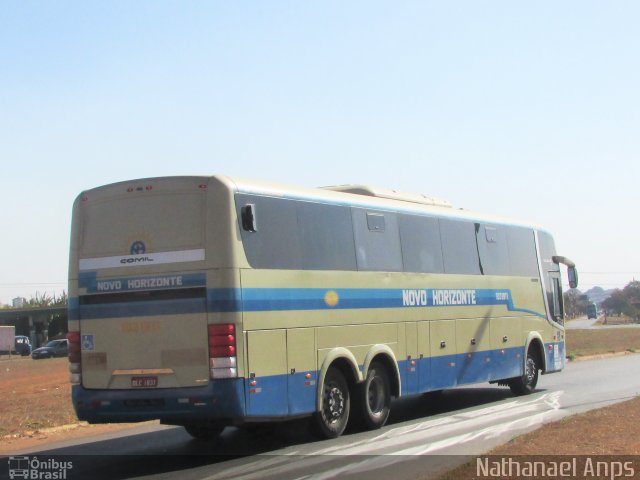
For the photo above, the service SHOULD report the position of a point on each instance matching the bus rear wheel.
(527, 382)
(377, 397)
(335, 405)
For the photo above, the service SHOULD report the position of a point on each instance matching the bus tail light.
(222, 351)
(75, 360)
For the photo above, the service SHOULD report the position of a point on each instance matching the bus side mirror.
(571, 269)
(573, 277)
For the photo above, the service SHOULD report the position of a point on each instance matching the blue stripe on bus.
(293, 299)
(284, 299)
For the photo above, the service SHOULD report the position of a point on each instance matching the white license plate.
(144, 382)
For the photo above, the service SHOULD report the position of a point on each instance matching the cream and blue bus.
(212, 301)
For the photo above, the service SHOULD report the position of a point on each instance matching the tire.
(204, 432)
(376, 397)
(335, 405)
(526, 384)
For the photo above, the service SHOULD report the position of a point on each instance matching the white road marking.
(468, 433)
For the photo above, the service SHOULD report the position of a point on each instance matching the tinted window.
(327, 237)
(552, 277)
(420, 240)
(547, 251)
(492, 247)
(276, 241)
(522, 252)
(377, 240)
(293, 234)
(459, 249)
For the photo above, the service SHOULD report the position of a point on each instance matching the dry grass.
(615, 320)
(582, 343)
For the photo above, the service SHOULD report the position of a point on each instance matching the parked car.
(55, 348)
(23, 345)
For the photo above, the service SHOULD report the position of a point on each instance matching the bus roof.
(371, 197)
(347, 195)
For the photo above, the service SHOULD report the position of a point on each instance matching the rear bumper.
(219, 401)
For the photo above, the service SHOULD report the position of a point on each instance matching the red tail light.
(226, 351)
(222, 351)
(75, 357)
(222, 329)
(74, 347)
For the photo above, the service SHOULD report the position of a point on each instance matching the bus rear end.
(145, 341)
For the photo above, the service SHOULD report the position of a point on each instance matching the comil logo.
(130, 260)
(138, 248)
(36, 469)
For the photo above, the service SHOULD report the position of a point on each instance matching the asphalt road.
(590, 323)
(581, 323)
(424, 436)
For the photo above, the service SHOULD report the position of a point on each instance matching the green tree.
(617, 302)
(632, 294)
(56, 325)
(575, 303)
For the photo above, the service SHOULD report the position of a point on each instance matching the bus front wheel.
(527, 382)
(335, 404)
(376, 396)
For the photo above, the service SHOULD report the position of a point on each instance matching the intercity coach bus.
(212, 301)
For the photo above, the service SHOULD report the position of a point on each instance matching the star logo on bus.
(138, 248)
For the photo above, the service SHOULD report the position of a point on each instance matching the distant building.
(19, 302)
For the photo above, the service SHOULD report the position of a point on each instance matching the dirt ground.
(36, 405)
(609, 431)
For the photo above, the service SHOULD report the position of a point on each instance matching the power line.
(609, 273)
(15, 285)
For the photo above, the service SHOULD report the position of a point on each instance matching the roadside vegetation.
(583, 343)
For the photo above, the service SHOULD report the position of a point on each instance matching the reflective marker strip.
(143, 259)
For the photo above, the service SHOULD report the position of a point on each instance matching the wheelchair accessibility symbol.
(87, 343)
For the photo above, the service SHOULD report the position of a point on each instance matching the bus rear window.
(171, 221)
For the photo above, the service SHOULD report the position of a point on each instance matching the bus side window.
(556, 302)
(377, 240)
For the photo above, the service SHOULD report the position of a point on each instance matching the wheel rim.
(531, 371)
(334, 403)
(375, 394)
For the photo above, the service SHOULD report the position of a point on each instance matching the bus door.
(554, 349)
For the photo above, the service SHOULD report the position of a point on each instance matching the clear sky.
(524, 109)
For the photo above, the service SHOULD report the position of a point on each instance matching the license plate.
(144, 382)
